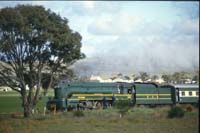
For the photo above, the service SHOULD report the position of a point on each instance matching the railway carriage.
(186, 93)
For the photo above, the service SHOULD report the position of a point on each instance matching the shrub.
(189, 108)
(78, 114)
(70, 108)
(175, 112)
(16, 115)
(123, 106)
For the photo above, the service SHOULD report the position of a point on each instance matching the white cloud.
(187, 27)
(89, 49)
(89, 4)
(122, 23)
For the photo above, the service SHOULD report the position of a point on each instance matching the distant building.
(138, 80)
(188, 81)
(95, 78)
(148, 80)
(160, 81)
(123, 80)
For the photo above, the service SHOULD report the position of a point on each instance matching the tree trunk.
(27, 111)
(26, 103)
(50, 82)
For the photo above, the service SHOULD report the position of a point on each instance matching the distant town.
(145, 78)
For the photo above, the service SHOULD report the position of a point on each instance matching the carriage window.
(183, 93)
(190, 93)
(197, 93)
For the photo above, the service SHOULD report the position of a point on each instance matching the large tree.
(34, 41)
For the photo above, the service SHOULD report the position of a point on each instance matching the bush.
(70, 108)
(123, 106)
(175, 112)
(189, 108)
(16, 115)
(78, 114)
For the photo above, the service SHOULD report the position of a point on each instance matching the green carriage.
(186, 93)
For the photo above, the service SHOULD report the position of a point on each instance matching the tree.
(155, 77)
(113, 78)
(167, 78)
(34, 41)
(196, 77)
(127, 77)
(144, 76)
(133, 76)
(119, 75)
(66, 74)
(179, 77)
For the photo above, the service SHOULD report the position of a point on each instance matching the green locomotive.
(91, 94)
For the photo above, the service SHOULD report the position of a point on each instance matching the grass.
(137, 120)
(11, 102)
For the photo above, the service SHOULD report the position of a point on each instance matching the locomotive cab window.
(183, 93)
(190, 93)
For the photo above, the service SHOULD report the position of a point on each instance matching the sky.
(131, 37)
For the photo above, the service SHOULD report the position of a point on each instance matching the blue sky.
(130, 37)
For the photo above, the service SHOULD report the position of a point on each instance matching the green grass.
(138, 120)
(11, 102)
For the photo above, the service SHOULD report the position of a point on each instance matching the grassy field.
(137, 120)
(11, 102)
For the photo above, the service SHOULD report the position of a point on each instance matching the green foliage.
(196, 76)
(70, 108)
(154, 77)
(123, 106)
(144, 76)
(180, 76)
(167, 78)
(78, 114)
(176, 112)
(127, 77)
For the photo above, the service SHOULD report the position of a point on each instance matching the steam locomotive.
(91, 94)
